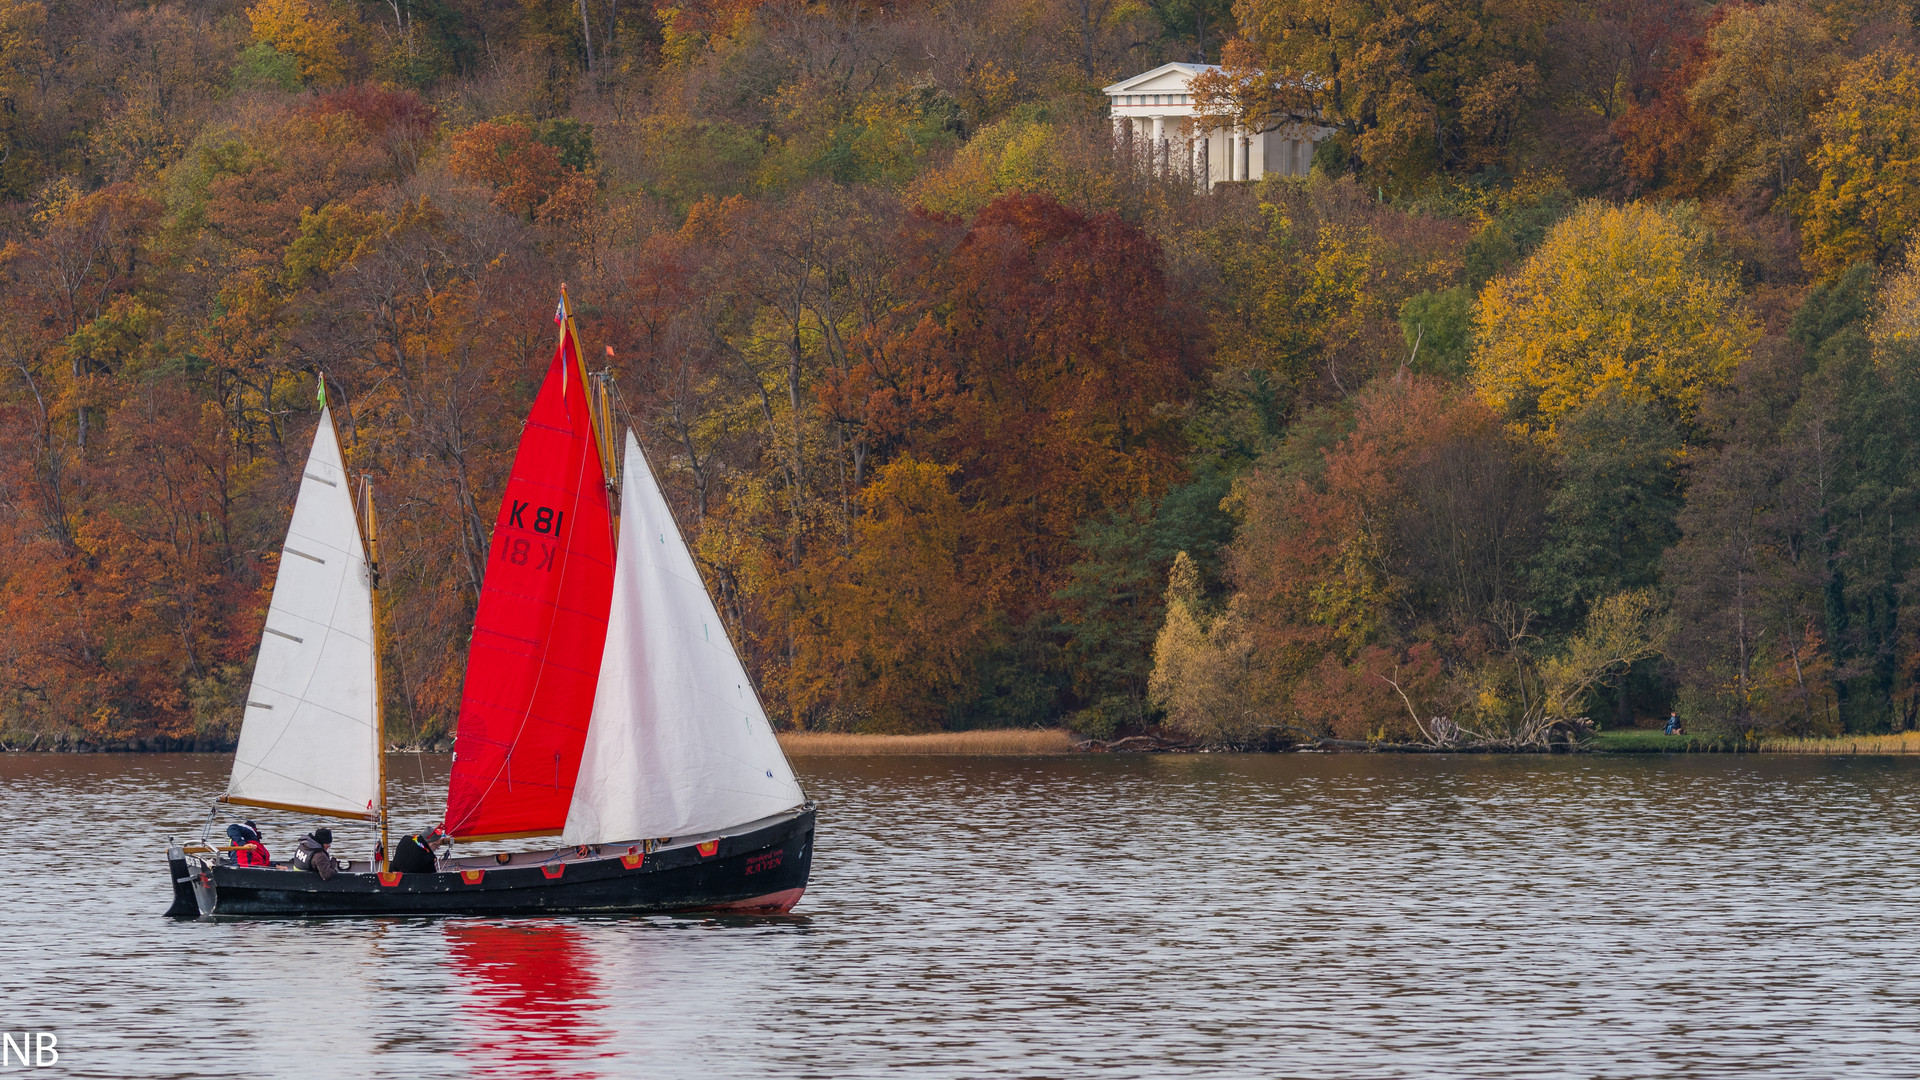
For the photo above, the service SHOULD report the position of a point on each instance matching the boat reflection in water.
(532, 999)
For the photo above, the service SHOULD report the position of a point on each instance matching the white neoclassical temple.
(1154, 113)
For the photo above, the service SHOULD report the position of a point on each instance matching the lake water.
(1259, 916)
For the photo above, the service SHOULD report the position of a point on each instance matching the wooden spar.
(483, 837)
(596, 412)
(372, 538)
(568, 332)
(603, 402)
(235, 800)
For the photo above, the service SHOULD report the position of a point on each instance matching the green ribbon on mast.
(323, 391)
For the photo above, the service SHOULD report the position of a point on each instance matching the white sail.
(310, 736)
(678, 744)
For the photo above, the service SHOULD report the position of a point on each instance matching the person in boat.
(248, 848)
(414, 853)
(312, 853)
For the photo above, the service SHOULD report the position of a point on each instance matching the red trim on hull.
(778, 903)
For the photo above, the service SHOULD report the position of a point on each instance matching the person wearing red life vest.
(248, 849)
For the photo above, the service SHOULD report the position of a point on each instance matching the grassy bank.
(1008, 743)
(1631, 741)
(1906, 742)
(1640, 741)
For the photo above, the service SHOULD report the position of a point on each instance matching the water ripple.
(1154, 917)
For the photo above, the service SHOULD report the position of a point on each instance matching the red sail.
(535, 655)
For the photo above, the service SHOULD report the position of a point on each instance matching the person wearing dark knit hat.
(312, 853)
(414, 853)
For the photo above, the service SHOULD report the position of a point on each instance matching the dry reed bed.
(1906, 742)
(1012, 743)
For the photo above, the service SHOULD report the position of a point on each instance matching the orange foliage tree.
(526, 175)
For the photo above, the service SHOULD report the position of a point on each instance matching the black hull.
(759, 871)
(184, 905)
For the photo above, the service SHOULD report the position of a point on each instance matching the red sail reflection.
(534, 996)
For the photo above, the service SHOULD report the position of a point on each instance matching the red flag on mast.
(535, 655)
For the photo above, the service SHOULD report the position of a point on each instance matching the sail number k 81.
(540, 519)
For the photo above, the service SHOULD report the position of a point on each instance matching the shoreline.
(1008, 742)
(158, 744)
(1058, 742)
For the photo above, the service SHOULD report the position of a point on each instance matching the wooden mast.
(570, 332)
(599, 416)
(371, 519)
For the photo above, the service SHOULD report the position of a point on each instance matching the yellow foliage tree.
(306, 31)
(892, 629)
(1631, 296)
(1896, 318)
(1769, 67)
(1866, 198)
(21, 51)
(1201, 674)
(1012, 155)
(1018, 155)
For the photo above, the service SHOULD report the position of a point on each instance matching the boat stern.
(184, 905)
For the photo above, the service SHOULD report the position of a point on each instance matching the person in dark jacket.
(248, 849)
(312, 853)
(414, 854)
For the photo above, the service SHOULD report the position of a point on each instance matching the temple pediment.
(1165, 78)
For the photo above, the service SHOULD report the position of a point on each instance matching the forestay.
(310, 735)
(678, 744)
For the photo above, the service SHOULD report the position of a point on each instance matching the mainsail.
(541, 624)
(679, 744)
(310, 735)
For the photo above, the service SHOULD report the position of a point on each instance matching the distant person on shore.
(1673, 724)
(248, 849)
(414, 853)
(313, 855)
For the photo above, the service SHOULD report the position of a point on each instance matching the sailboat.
(605, 705)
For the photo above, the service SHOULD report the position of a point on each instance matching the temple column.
(1159, 143)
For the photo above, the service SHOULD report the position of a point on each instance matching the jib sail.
(679, 743)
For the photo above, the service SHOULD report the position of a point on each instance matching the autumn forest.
(1579, 383)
